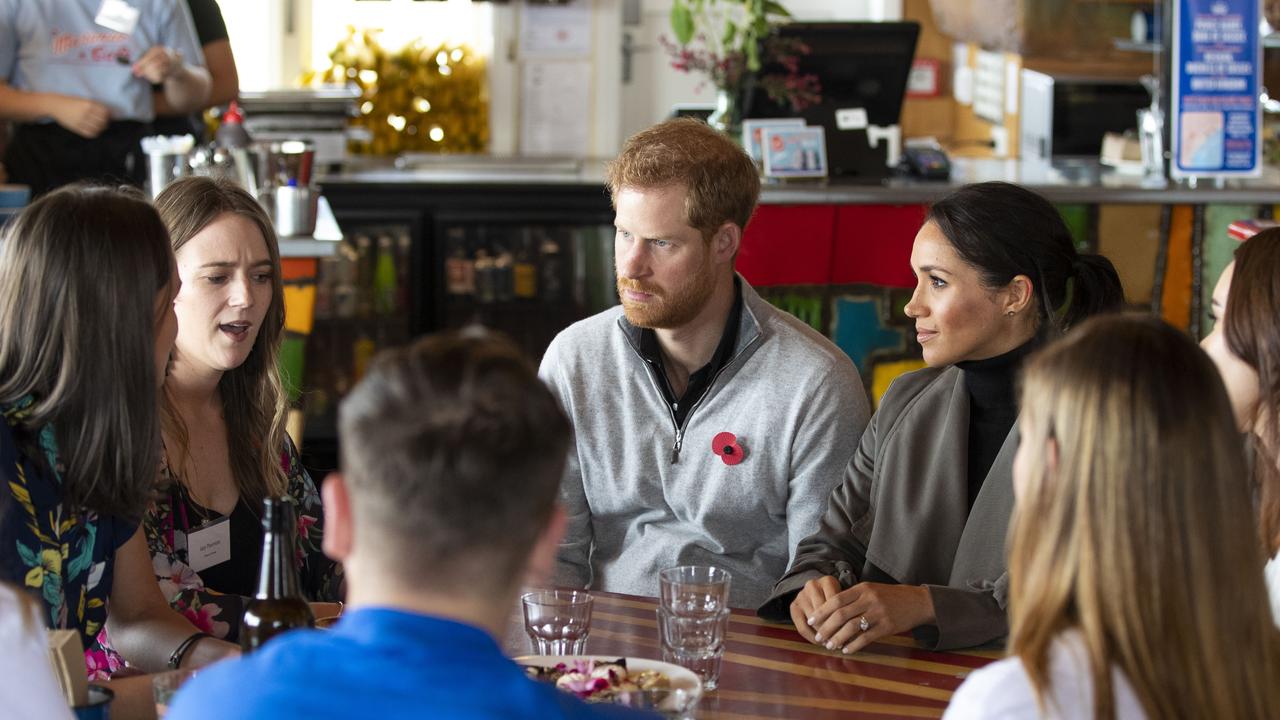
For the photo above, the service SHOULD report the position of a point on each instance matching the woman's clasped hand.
(849, 620)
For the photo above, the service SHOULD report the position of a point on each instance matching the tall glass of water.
(694, 589)
(557, 621)
(694, 642)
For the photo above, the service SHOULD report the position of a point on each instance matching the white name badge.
(209, 544)
(118, 15)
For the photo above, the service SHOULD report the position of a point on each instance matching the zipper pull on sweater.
(675, 449)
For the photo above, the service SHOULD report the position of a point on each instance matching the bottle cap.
(233, 114)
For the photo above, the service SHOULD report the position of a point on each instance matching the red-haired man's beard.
(666, 308)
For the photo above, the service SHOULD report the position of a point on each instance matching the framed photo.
(753, 133)
(795, 152)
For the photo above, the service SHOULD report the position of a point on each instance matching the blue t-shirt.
(380, 663)
(55, 46)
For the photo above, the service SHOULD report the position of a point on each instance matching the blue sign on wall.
(1217, 64)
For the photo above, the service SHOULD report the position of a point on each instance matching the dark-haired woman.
(223, 414)
(87, 283)
(913, 539)
(1245, 345)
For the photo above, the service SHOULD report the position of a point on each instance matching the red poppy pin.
(726, 445)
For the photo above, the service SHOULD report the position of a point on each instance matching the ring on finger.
(863, 625)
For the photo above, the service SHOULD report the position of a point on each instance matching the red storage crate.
(873, 244)
(788, 245)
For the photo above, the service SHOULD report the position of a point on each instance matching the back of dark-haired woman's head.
(1251, 324)
(1252, 329)
(80, 273)
(1004, 230)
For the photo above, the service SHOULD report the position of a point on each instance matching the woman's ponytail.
(1094, 288)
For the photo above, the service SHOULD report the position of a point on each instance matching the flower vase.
(727, 117)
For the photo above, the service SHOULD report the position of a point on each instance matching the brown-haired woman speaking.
(86, 326)
(1134, 587)
(1245, 345)
(914, 537)
(225, 447)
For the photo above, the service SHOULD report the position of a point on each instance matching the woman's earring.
(1011, 313)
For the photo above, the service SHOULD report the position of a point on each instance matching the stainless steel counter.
(1084, 182)
(1080, 182)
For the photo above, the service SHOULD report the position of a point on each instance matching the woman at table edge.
(1134, 587)
(914, 537)
(223, 411)
(81, 270)
(1245, 345)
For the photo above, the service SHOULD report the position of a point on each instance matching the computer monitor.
(863, 68)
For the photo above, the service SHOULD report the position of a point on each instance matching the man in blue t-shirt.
(452, 456)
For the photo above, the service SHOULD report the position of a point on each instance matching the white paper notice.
(1012, 73)
(962, 74)
(988, 86)
(560, 31)
(555, 108)
(962, 84)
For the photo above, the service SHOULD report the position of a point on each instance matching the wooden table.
(771, 672)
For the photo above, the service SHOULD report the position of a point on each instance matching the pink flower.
(203, 619)
(101, 664)
(174, 576)
(304, 523)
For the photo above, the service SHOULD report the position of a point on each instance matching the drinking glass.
(165, 685)
(694, 589)
(694, 642)
(557, 621)
(668, 702)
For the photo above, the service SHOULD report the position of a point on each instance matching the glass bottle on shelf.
(278, 605)
(365, 259)
(486, 277)
(459, 268)
(326, 287)
(524, 273)
(344, 287)
(404, 256)
(552, 270)
(362, 352)
(385, 278)
(503, 266)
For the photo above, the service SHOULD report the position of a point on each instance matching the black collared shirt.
(700, 380)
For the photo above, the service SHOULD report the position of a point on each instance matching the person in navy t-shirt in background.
(452, 452)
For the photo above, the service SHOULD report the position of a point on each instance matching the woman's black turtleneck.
(993, 407)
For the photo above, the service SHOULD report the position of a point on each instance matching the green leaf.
(753, 57)
(84, 558)
(681, 21)
(772, 7)
(730, 33)
(30, 557)
(52, 590)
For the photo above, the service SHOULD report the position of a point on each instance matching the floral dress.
(217, 613)
(62, 556)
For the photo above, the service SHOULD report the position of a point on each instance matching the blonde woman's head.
(1133, 523)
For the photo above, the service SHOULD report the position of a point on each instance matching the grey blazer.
(902, 514)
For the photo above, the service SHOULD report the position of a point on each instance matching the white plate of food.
(636, 682)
